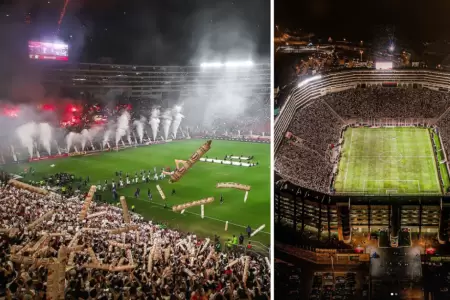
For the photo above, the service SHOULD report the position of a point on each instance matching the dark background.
(411, 21)
(162, 32)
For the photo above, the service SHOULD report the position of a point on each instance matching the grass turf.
(199, 182)
(384, 161)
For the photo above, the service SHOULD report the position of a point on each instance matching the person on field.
(249, 230)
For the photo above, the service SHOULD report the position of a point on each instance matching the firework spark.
(63, 13)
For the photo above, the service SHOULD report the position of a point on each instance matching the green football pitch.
(198, 183)
(387, 161)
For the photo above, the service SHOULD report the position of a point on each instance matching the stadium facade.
(300, 206)
(153, 81)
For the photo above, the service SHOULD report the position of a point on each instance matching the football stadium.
(365, 150)
(174, 178)
(362, 183)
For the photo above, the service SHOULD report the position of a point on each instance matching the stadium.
(367, 150)
(361, 183)
(164, 181)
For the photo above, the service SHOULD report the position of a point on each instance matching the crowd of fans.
(183, 266)
(383, 102)
(318, 126)
(304, 167)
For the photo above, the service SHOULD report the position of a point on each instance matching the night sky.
(161, 32)
(413, 20)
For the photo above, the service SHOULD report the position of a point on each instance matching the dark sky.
(412, 19)
(162, 32)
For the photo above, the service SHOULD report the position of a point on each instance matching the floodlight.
(248, 63)
(306, 81)
(211, 65)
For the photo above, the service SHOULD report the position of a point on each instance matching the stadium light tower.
(391, 48)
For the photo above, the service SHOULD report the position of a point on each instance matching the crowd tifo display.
(105, 252)
(303, 157)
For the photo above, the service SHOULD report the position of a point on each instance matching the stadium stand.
(182, 265)
(318, 112)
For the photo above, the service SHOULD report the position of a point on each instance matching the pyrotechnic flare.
(122, 126)
(139, 124)
(177, 117)
(26, 134)
(106, 137)
(190, 162)
(129, 137)
(45, 136)
(84, 138)
(71, 139)
(167, 121)
(63, 13)
(154, 122)
(88, 135)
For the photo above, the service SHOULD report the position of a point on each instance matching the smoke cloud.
(123, 125)
(154, 122)
(177, 117)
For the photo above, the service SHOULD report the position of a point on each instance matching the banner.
(193, 203)
(179, 173)
(77, 153)
(126, 214)
(233, 185)
(48, 157)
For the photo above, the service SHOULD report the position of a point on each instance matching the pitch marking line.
(391, 180)
(192, 213)
(348, 160)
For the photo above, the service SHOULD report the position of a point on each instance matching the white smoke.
(123, 124)
(128, 136)
(154, 122)
(177, 117)
(72, 138)
(26, 134)
(87, 135)
(139, 124)
(106, 136)
(167, 121)
(45, 136)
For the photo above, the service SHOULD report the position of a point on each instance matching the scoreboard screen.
(383, 65)
(48, 51)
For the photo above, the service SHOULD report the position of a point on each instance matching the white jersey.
(128, 181)
(113, 184)
(121, 183)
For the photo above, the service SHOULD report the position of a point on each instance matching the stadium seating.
(319, 124)
(181, 264)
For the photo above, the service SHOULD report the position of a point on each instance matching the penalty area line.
(192, 213)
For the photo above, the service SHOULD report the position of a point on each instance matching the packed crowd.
(317, 125)
(304, 167)
(156, 262)
(382, 102)
(443, 126)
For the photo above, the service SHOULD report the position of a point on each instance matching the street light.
(361, 52)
